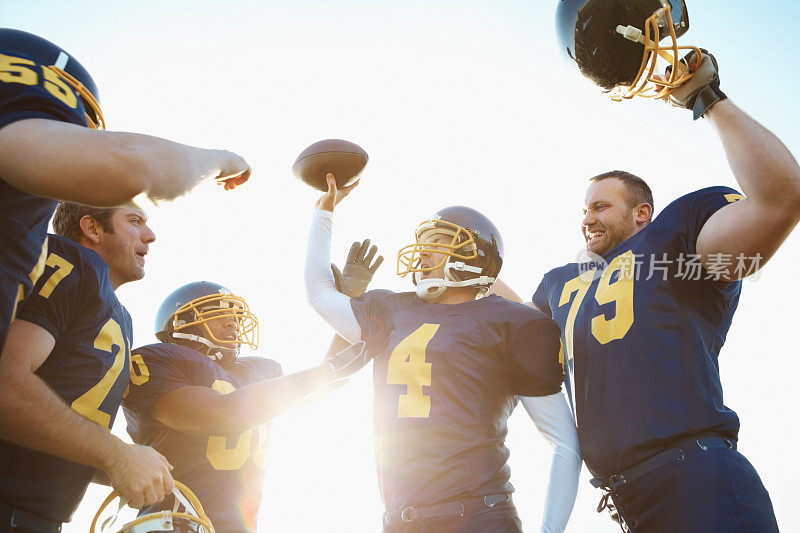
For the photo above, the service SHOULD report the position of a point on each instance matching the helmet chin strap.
(214, 352)
(432, 288)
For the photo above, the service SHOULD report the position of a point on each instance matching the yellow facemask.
(646, 84)
(215, 307)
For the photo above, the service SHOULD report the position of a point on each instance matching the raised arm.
(768, 174)
(325, 299)
(33, 416)
(105, 168)
(554, 421)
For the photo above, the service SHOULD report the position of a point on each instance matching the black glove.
(702, 90)
(357, 270)
(348, 361)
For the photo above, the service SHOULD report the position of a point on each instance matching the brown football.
(343, 159)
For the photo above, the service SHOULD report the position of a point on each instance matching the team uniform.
(28, 89)
(445, 380)
(641, 341)
(226, 473)
(88, 368)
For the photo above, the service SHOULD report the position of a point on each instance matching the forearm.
(101, 168)
(261, 402)
(333, 306)
(554, 421)
(764, 168)
(33, 416)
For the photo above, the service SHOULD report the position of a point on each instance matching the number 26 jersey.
(88, 368)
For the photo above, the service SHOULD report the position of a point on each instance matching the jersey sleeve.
(690, 213)
(540, 300)
(62, 292)
(374, 315)
(160, 369)
(533, 351)
(25, 92)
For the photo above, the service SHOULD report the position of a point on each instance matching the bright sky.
(456, 102)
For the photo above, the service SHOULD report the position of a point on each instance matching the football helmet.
(617, 44)
(472, 257)
(193, 518)
(69, 69)
(184, 317)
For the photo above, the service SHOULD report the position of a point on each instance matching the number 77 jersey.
(641, 334)
(88, 367)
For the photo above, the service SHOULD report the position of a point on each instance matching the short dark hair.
(68, 215)
(638, 190)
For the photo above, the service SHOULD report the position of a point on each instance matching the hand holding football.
(343, 159)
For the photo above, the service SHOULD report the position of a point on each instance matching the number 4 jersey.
(88, 368)
(642, 330)
(225, 472)
(445, 380)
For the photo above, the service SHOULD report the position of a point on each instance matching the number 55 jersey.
(88, 368)
(445, 380)
(30, 89)
(642, 331)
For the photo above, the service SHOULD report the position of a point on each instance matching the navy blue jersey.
(27, 90)
(226, 473)
(445, 380)
(642, 336)
(89, 367)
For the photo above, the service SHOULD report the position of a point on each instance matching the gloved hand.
(348, 361)
(702, 90)
(357, 270)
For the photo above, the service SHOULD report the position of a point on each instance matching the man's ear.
(643, 213)
(90, 229)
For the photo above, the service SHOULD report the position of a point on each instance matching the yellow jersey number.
(19, 70)
(620, 293)
(34, 275)
(221, 456)
(88, 404)
(407, 366)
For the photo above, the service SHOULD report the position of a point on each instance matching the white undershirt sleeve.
(553, 419)
(333, 306)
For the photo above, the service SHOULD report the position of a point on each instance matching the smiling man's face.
(608, 219)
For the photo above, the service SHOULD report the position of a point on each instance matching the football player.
(447, 374)
(52, 145)
(64, 370)
(644, 323)
(207, 409)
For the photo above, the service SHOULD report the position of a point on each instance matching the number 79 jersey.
(445, 380)
(642, 331)
(88, 368)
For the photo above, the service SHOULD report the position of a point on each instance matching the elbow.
(570, 453)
